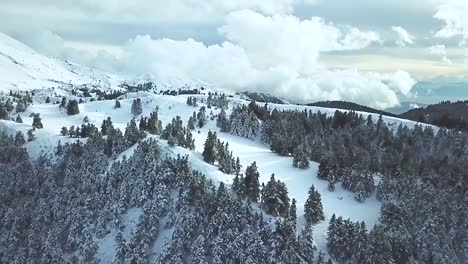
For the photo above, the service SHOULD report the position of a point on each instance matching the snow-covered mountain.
(21, 69)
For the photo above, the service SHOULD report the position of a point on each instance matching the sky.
(366, 51)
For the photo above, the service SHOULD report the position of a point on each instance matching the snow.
(21, 68)
(107, 245)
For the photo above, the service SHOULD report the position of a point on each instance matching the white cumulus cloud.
(404, 37)
(453, 14)
(276, 54)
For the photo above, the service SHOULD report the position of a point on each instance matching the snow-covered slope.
(21, 68)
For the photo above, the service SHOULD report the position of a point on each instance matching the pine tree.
(64, 131)
(306, 244)
(72, 107)
(31, 136)
(37, 121)
(199, 251)
(201, 117)
(293, 212)
(251, 183)
(191, 123)
(154, 124)
(19, 139)
(321, 258)
(313, 208)
(117, 104)
(209, 151)
(137, 108)
(301, 159)
(222, 122)
(18, 119)
(63, 103)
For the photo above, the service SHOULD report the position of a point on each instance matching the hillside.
(445, 114)
(343, 105)
(21, 68)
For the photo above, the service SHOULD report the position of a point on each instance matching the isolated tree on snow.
(313, 208)
(117, 104)
(72, 107)
(18, 119)
(37, 121)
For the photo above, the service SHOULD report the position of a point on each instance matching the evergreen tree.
(137, 108)
(191, 123)
(301, 159)
(251, 183)
(63, 103)
(313, 209)
(117, 104)
(222, 122)
(31, 136)
(201, 117)
(72, 107)
(209, 151)
(293, 212)
(154, 124)
(19, 139)
(18, 119)
(37, 121)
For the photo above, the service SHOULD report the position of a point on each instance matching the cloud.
(276, 54)
(53, 45)
(453, 14)
(440, 51)
(150, 11)
(404, 37)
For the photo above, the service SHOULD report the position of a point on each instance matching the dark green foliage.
(313, 208)
(137, 108)
(251, 183)
(117, 104)
(209, 151)
(18, 119)
(222, 122)
(37, 121)
(31, 136)
(201, 117)
(275, 200)
(19, 139)
(72, 107)
(301, 157)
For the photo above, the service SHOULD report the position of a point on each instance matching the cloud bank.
(277, 54)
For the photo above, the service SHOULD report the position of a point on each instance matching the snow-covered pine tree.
(313, 209)
(251, 183)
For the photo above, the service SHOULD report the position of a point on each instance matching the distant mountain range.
(445, 114)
